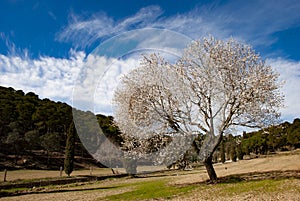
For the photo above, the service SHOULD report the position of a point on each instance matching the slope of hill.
(33, 132)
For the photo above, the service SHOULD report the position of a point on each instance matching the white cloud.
(97, 80)
(289, 73)
(93, 79)
(252, 21)
(48, 77)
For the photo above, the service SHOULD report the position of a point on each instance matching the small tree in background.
(32, 138)
(233, 154)
(50, 142)
(69, 153)
(222, 152)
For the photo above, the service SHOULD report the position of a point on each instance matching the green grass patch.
(7, 192)
(151, 189)
(161, 189)
(12, 190)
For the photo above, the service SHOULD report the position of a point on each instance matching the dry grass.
(264, 187)
(281, 162)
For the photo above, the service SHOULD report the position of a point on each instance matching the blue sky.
(45, 44)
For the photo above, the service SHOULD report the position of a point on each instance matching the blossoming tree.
(216, 86)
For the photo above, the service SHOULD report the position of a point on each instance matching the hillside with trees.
(33, 135)
(33, 132)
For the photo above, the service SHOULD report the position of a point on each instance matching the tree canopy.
(216, 86)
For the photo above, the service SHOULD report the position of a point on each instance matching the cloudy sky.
(46, 46)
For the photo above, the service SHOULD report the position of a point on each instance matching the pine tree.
(233, 154)
(69, 153)
(222, 151)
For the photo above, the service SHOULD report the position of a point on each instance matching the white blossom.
(215, 86)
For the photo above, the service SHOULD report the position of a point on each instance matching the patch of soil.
(38, 185)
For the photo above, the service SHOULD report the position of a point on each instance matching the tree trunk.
(210, 169)
(130, 166)
(48, 158)
(208, 161)
(223, 159)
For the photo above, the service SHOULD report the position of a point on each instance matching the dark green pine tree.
(69, 153)
(222, 151)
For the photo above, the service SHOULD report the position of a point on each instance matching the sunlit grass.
(152, 190)
(161, 189)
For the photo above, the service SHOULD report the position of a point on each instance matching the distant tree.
(14, 138)
(293, 136)
(246, 146)
(231, 147)
(227, 150)
(233, 154)
(110, 130)
(33, 138)
(25, 111)
(222, 151)
(240, 153)
(272, 138)
(130, 165)
(70, 149)
(215, 86)
(50, 142)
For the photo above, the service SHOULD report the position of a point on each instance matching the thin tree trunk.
(48, 158)
(210, 169)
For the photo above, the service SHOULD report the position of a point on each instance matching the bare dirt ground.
(277, 166)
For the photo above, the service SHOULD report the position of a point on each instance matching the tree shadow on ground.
(251, 176)
(255, 176)
(164, 173)
(46, 190)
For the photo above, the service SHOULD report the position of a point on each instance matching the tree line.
(28, 123)
(282, 137)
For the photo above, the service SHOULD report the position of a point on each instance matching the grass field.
(275, 177)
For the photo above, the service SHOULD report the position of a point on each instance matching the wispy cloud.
(52, 15)
(101, 26)
(256, 21)
(12, 49)
(252, 21)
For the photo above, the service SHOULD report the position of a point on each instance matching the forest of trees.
(29, 124)
(282, 137)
